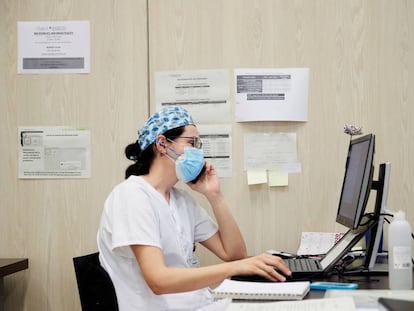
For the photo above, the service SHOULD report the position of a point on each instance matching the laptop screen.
(341, 248)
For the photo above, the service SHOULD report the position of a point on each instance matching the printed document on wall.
(216, 139)
(270, 157)
(204, 93)
(54, 152)
(53, 47)
(271, 94)
(270, 150)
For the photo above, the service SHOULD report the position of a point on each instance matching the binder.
(245, 290)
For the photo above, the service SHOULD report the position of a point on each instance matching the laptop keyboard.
(303, 265)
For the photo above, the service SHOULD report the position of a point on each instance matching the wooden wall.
(360, 55)
(51, 221)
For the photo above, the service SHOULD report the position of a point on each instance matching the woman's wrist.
(215, 199)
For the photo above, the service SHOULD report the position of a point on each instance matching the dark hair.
(143, 159)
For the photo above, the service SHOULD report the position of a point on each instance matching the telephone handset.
(199, 175)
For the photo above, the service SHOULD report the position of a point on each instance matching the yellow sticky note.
(255, 177)
(278, 177)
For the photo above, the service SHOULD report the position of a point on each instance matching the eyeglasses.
(195, 140)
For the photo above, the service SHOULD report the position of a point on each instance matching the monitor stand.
(375, 263)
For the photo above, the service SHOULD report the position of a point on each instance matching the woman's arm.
(228, 243)
(163, 280)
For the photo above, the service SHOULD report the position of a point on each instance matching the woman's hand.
(265, 265)
(208, 183)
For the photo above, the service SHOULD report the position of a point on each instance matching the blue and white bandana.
(164, 120)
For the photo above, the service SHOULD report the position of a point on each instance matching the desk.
(9, 266)
(364, 282)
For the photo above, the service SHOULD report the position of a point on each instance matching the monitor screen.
(357, 181)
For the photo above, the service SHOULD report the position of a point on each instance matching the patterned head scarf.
(164, 120)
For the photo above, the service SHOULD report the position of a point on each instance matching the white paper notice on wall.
(60, 47)
(318, 243)
(271, 94)
(269, 151)
(54, 152)
(204, 93)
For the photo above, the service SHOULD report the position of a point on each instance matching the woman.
(149, 227)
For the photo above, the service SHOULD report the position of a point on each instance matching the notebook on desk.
(261, 291)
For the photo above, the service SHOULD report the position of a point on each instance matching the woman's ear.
(160, 143)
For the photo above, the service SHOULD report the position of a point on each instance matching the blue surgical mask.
(189, 164)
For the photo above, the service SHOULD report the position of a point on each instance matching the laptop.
(312, 268)
(308, 268)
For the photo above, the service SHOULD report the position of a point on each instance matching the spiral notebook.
(261, 291)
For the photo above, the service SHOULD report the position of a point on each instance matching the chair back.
(96, 290)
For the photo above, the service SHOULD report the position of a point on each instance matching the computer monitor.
(357, 181)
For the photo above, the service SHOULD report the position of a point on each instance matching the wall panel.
(51, 221)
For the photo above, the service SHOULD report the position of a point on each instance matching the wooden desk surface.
(12, 265)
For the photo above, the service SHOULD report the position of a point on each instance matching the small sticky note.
(278, 177)
(258, 176)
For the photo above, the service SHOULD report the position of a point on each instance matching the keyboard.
(303, 265)
(300, 268)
